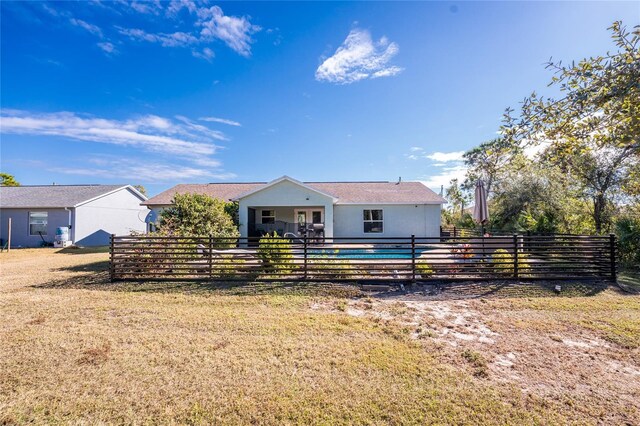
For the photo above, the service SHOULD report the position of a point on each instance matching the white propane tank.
(62, 237)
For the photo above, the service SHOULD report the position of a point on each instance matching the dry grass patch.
(77, 349)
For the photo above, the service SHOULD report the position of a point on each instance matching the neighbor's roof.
(344, 192)
(56, 196)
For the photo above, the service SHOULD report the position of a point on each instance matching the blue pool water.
(366, 253)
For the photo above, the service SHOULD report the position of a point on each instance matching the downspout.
(70, 226)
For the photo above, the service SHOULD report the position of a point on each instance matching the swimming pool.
(367, 253)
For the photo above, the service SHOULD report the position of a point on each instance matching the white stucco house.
(333, 209)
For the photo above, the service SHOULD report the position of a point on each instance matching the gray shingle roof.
(345, 192)
(30, 196)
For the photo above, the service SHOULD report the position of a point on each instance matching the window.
(38, 223)
(316, 216)
(373, 221)
(268, 216)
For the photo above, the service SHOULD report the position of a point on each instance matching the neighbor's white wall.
(289, 194)
(399, 220)
(117, 213)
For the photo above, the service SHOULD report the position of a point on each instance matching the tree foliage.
(489, 162)
(141, 189)
(8, 180)
(601, 100)
(457, 199)
(570, 164)
(592, 132)
(197, 215)
(628, 231)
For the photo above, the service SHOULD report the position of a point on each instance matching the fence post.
(612, 258)
(304, 240)
(454, 231)
(111, 264)
(210, 257)
(515, 256)
(413, 259)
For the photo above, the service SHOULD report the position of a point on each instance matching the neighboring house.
(92, 212)
(337, 209)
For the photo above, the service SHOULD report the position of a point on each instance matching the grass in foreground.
(74, 352)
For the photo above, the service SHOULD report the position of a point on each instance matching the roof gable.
(280, 180)
(57, 196)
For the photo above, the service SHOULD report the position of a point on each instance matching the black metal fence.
(410, 259)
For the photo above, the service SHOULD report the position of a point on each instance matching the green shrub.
(628, 232)
(195, 215)
(328, 267)
(424, 269)
(502, 262)
(225, 266)
(275, 253)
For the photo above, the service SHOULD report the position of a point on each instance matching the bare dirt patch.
(554, 349)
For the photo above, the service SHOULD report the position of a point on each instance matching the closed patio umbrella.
(481, 210)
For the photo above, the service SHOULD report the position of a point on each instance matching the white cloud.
(416, 149)
(210, 24)
(142, 170)
(177, 39)
(146, 6)
(176, 6)
(445, 157)
(215, 134)
(206, 54)
(220, 120)
(234, 31)
(107, 47)
(93, 29)
(151, 133)
(358, 58)
(445, 176)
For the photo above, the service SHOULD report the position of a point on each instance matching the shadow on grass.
(629, 281)
(98, 266)
(500, 289)
(84, 250)
(95, 276)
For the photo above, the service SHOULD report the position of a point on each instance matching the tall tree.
(8, 180)
(602, 174)
(593, 130)
(458, 199)
(489, 161)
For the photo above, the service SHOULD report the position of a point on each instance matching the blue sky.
(159, 93)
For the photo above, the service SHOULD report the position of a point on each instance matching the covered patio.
(298, 221)
(286, 206)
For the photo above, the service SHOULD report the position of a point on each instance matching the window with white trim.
(38, 223)
(268, 216)
(373, 221)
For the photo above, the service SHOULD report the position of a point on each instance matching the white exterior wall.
(288, 194)
(399, 220)
(116, 213)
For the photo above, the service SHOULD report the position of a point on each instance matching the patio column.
(328, 220)
(243, 217)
